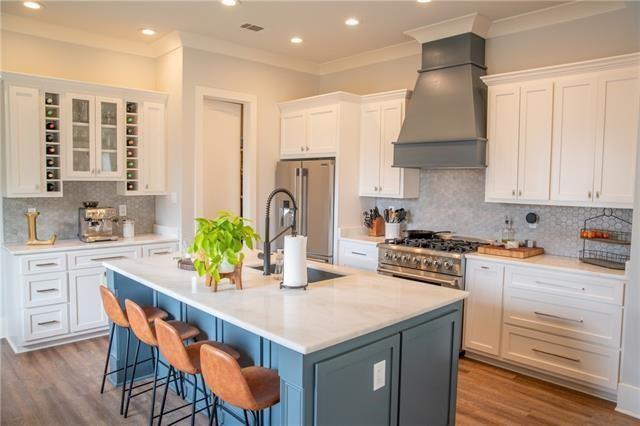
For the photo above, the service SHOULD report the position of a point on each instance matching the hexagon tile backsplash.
(454, 200)
(60, 215)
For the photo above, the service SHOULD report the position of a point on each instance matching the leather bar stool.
(186, 359)
(118, 318)
(144, 329)
(252, 389)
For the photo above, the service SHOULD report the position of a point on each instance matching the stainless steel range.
(432, 257)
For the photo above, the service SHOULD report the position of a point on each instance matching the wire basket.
(604, 258)
(606, 236)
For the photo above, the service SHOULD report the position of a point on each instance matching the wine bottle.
(129, 153)
(49, 175)
(50, 162)
(50, 187)
(130, 142)
(131, 108)
(130, 186)
(129, 175)
(49, 137)
(130, 130)
(129, 119)
(48, 100)
(51, 125)
(51, 150)
(130, 164)
(49, 112)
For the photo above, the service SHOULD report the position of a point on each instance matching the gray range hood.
(445, 121)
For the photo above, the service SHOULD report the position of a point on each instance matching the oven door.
(426, 277)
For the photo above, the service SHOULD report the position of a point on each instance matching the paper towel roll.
(295, 261)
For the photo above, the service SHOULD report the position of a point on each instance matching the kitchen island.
(358, 349)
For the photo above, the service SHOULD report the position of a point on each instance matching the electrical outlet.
(379, 374)
(31, 210)
(174, 198)
(122, 210)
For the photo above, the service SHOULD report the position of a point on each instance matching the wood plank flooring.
(60, 386)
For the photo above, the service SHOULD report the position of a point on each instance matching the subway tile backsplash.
(454, 200)
(60, 215)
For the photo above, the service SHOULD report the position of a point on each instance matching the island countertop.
(327, 313)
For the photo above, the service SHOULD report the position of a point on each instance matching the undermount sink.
(313, 275)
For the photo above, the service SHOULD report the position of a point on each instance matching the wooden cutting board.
(519, 253)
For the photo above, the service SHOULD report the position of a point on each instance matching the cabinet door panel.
(534, 165)
(154, 148)
(502, 170)
(391, 121)
(617, 136)
(370, 151)
(573, 152)
(110, 143)
(322, 130)
(293, 139)
(80, 154)
(86, 305)
(483, 308)
(24, 171)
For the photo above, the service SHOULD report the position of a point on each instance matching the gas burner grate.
(451, 246)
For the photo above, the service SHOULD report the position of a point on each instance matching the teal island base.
(404, 374)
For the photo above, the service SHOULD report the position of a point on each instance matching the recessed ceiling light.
(296, 40)
(352, 22)
(148, 31)
(32, 5)
(229, 2)
(423, 1)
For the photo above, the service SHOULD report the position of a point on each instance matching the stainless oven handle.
(452, 282)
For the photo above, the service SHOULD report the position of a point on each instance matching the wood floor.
(60, 386)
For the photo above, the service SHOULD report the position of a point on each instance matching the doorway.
(222, 147)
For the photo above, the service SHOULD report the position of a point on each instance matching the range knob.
(438, 262)
(394, 257)
(387, 255)
(427, 262)
(416, 260)
(404, 258)
(447, 265)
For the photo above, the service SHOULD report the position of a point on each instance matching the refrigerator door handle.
(297, 193)
(304, 202)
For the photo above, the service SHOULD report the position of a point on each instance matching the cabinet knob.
(597, 194)
(99, 171)
(513, 192)
(302, 148)
(307, 148)
(520, 193)
(146, 186)
(589, 195)
(91, 171)
(375, 188)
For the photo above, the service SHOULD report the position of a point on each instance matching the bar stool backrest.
(112, 307)
(223, 375)
(172, 348)
(140, 325)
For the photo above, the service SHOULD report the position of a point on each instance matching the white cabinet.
(153, 161)
(483, 308)
(86, 306)
(564, 135)
(359, 255)
(310, 132)
(94, 149)
(381, 120)
(293, 134)
(23, 148)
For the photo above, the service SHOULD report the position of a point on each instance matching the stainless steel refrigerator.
(312, 184)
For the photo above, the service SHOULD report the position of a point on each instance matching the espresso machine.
(96, 224)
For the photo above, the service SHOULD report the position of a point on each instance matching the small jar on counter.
(128, 228)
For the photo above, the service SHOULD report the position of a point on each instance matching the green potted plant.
(218, 243)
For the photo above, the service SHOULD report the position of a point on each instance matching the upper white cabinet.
(564, 135)
(293, 138)
(322, 130)
(60, 130)
(381, 120)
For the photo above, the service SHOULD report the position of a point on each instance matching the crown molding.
(387, 96)
(594, 65)
(396, 51)
(552, 16)
(471, 23)
(317, 100)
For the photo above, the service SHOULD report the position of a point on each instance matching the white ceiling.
(319, 23)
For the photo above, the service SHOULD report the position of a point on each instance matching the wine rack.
(52, 142)
(132, 147)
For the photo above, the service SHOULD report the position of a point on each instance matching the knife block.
(377, 227)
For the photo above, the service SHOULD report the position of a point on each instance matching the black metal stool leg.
(124, 379)
(106, 362)
(164, 396)
(214, 415)
(155, 382)
(133, 376)
(195, 398)
(206, 395)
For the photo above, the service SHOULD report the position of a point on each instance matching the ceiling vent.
(252, 27)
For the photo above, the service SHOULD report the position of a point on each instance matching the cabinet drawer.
(564, 315)
(573, 285)
(158, 249)
(361, 256)
(54, 262)
(46, 321)
(572, 359)
(44, 289)
(94, 258)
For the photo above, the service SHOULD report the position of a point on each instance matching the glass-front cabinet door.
(110, 138)
(80, 152)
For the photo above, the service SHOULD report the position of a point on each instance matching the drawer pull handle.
(484, 267)
(556, 355)
(46, 290)
(357, 253)
(542, 314)
(161, 252)
(562, 286)
(46, 265)
(95, 259)
(48, 322)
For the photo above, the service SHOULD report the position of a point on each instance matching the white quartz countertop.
(327, 313)
(561, 263)
(358, 235)
(76, 244)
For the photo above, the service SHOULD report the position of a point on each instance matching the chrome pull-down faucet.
(266, 265)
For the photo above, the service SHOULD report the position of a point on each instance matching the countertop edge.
(142, 239)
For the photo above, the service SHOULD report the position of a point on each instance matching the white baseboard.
(167, 231)
(628, 400)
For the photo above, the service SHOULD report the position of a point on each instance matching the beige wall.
(35, 55)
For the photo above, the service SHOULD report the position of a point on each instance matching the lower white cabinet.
(46, 321)
(86, 306)
(563, 324)
(358, 255)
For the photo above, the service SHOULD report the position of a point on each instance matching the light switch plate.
(174, 198)
(122, 210)
(31, 210)
(379, 374)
